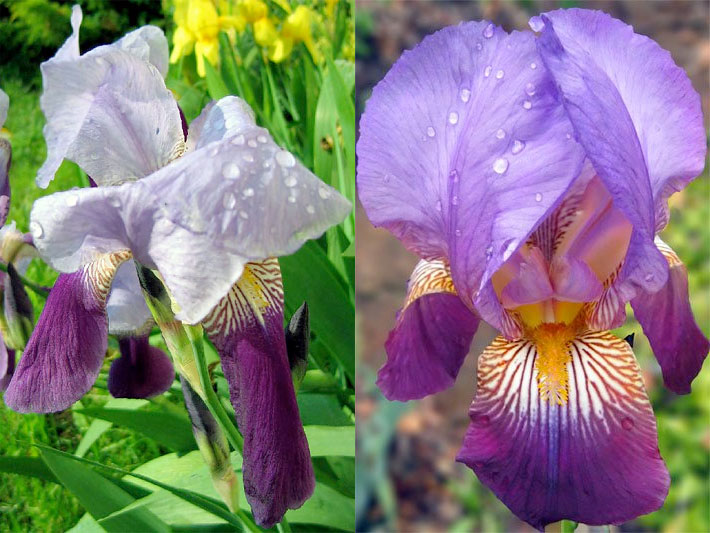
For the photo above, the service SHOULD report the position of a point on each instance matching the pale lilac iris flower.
(531, 175)
(209, 212)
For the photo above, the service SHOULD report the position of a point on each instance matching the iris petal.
(142, 371)
(638, 118)
(109, 110)
(462, 158)
(246, 327)
(667, 320)
(68, 345)
(431, 338)
(593, 459)
(126, 307)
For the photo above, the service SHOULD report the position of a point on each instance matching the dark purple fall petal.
(463, 150)
(142, 371)
(638, 118)
(277, 469)
(7, 365)
(66, 349)
(594, 459)
(431, 338)
(667, 321)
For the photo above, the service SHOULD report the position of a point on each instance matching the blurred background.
(407, 478)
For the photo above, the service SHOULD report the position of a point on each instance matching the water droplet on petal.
(230, 171)
(261, 138)
(214, 151)
(538, 197)
(251, 143)
(36, 229)
(438, 206)
(386, 178)
(489, 253)
(285, 159)
(71, 200)
(533, 65)
(500, 134)
(488, 32)
(627, 423)
(530, 89)
(238, 140)
(430, 131)
(324, 192)
(248, 192)
(458, 232)
(479, 46)
(465, 95)
(648, 277)
(454, 176)
(487, 71)
(500, 74)
(292, 199)
(453, 117)
(290, 181)
(500, 165)
(455, 200)
(527, 104)
(518, 146)
(568, 136)
(229, 201)
(249, 158)
(311, 210)
(114, 201)
(244, 214)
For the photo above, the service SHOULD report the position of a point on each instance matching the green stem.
(211, 399)
(284, 526)
(247, 520)
(37, 289)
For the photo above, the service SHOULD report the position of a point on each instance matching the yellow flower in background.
(330, 8)
(253, 10)
(198, 27)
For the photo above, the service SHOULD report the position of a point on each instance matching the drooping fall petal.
(66, 349)
(142, 371)
(593, 458)
(431, 337)
(667, 321)
(246, 327)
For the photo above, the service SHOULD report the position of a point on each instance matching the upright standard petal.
(247, 330)
(142, 371)
(252, 200)
(462, 158)
(110, 112)
(149, 44)
(667, 321)
(654, 93)
(64, 354)
(592, 458)
(638, 118)
(430, 339)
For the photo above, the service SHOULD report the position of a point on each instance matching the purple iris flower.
(16, 251)
(208, 213)
(531, 174)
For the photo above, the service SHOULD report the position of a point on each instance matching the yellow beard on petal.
(553, 342)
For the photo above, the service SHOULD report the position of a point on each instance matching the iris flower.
(531, 173)
(16, 251)
(208, 213)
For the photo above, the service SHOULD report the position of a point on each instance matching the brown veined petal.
(591, 458)
(246, 327)
(68, 345)
(431, 337)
